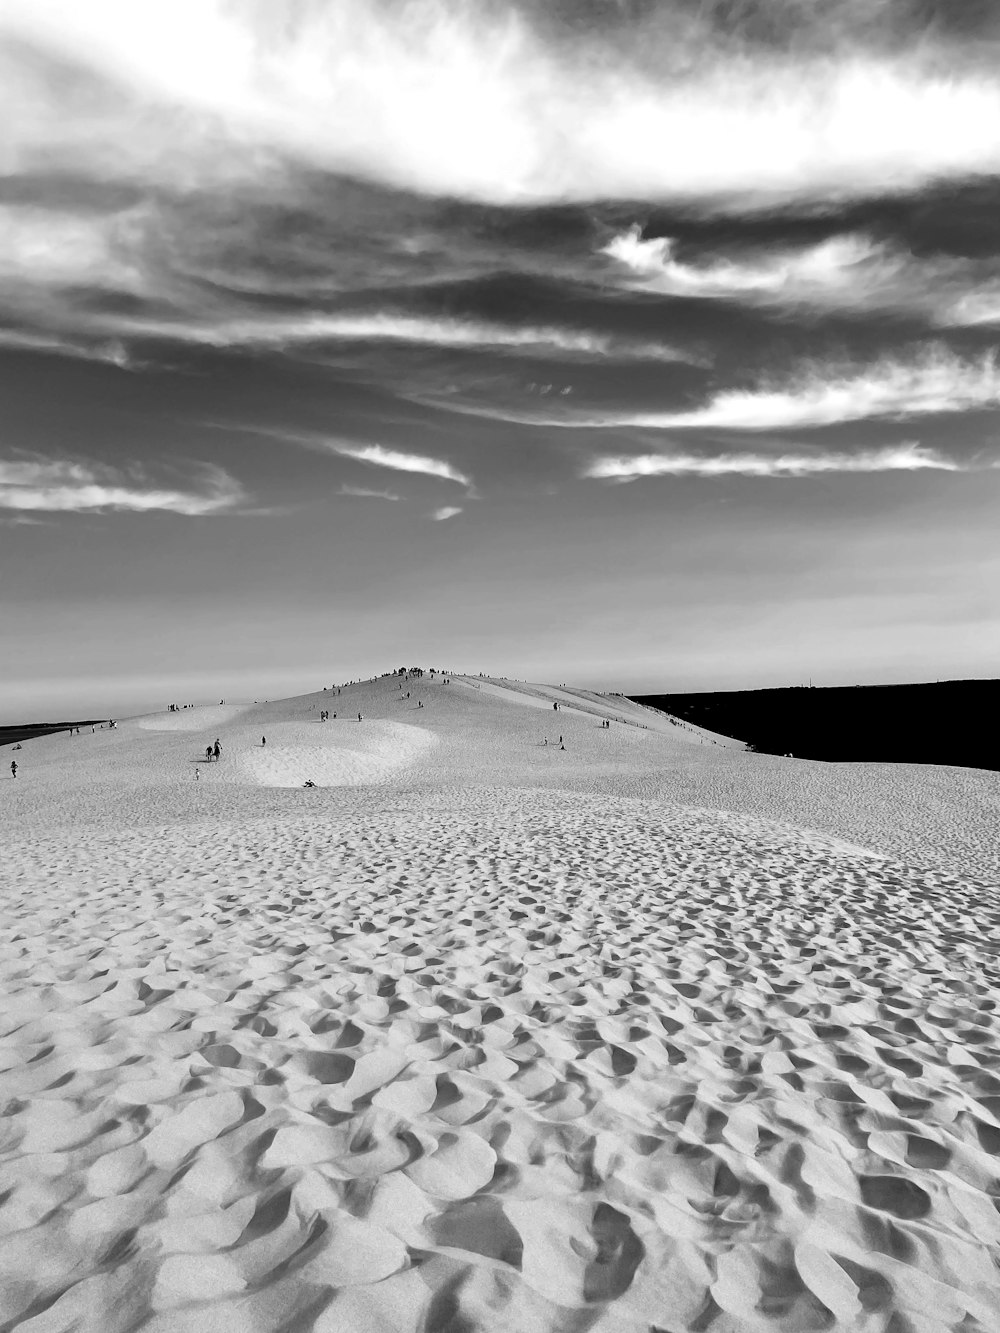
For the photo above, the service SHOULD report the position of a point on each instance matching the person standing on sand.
(263, 740)
(13, 768)
(216, 749)
(197, 775)
(359, 717)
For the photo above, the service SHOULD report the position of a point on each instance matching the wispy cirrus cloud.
(398, 461)
(905, 457)
(842, 270)
(32, 484)
(401, 328)
(849, 272)
(936, 381)
(375, 455)
(366, 493)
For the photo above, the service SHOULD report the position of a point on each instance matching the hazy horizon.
(136, 699)
(647, 346)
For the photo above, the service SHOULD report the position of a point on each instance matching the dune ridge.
(491, 1041)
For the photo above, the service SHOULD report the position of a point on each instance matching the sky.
(649, 345)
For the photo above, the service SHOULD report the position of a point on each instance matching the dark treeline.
(949, 722)
(28, 730)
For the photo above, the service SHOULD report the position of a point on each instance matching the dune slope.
(489, 1034)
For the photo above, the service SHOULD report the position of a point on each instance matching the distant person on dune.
(13, 768)
(208, 753)
(216, 748)
(359, 717)
(263, 740)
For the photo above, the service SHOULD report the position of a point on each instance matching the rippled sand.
(502, 1036)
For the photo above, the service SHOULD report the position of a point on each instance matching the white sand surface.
(643, 1034)
(202, 717)
(340, 753)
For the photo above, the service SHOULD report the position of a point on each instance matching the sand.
(485, 1034)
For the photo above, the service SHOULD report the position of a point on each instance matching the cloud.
(398, 461)
(842, 270)
(937, 382)
(848, 272)
(908, 457)
(446, 511)
(506, 103)
(35, 484)
(65, 248)
(399, 327)
(112, 352)
(975, 307)
(362, 492)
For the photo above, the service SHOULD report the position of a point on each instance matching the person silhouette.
(263, 740)
(13, 768)
(216, 748)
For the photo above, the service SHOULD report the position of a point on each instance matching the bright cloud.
(54, 247)
(975, 307)
(445, 512)
(56, 485)
(908, 457)
(841, 270)
(398, 461)
(848, 272)
(937, 382)
(490, 102)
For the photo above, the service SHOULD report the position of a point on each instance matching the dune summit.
(633, 1031)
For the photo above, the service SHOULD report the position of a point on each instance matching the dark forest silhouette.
(944, 722)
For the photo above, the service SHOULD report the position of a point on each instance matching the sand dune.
(486, 1042)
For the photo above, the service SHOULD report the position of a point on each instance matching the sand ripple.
(505, 1060)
